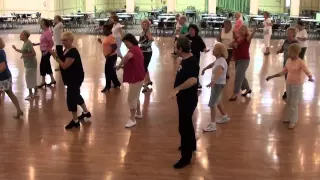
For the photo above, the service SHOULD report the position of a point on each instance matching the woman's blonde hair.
(221, 48)
(68, 35)
(295, 48)
(2, 44)
(146, 21)
(246, 29)
(292, 29)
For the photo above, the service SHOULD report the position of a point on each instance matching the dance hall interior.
(159, 90)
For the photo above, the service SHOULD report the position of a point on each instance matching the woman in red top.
(133, 73)
(241, 54)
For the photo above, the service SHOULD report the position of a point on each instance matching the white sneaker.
(210, 127)
(28, 98)
(130, 124)
(139, 116)
(223, 119)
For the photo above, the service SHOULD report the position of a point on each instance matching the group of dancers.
(234, 43)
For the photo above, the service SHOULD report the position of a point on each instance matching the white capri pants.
(134, 94)
(266, 39)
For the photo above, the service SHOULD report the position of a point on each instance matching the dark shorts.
(147, 58)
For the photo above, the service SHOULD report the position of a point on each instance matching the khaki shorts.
(134, 93)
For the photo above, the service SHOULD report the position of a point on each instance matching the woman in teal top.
(30, 63)
(6, 80)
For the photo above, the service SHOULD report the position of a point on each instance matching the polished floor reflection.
(254, 145)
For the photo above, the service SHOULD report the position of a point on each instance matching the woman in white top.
(302, 36)
(226, 37)
(117, 33)
(178, 28)
(267, 32)
(57, 32)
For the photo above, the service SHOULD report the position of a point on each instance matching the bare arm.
(217, 73)
(306, 70)
(219, 37)
(251, 35)
(66, 64)
(187, 84)
(125, 59)
(283, 72)
(281, 50)
(3, 67)
(149, 35)
(208, 67)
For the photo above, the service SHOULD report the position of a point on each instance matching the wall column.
(254, 7)
(212, 6)
(295, 8)
(130, 4)
(89, 6)
(171, 6)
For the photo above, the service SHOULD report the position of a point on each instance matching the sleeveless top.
(227, 38)
(133, 70)
(145, 43)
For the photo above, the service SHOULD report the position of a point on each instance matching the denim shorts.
(216, 93)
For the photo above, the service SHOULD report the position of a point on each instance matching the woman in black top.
(145, 42)
(72, 75)
(185, 88)
(197, 44)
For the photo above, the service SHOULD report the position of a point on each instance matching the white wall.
(45, 7)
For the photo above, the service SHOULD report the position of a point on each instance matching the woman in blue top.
(6, 80)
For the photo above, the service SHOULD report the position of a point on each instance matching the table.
(310, 20)
(130, 14)
(66, 19)
(85, 13)
(168, 14)
(255, 16)
(210, 15)
(6, 16)
(258, 19)
(124, 16)
(214, 17)
(72, 16)
(166, 17)
(299, 17)
(102, 20)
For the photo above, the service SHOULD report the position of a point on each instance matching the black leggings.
(59, 49)
(74, 97)
(110, 71)
(187, 104)
(45, 66)
(147, 58)
(302, 53)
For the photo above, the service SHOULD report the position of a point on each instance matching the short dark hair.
(47, 22)
(184, 44)
(195, 27)
(300, 23)
(115, 18)
(129, 37)
(59, 18)
(107, 29)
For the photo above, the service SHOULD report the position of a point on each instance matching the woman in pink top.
(46, 44)
(133, 73)
(295, 68)
(238, 23)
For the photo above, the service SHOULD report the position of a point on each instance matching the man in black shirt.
(185, 88)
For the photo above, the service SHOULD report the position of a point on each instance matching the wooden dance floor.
(254, 145)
